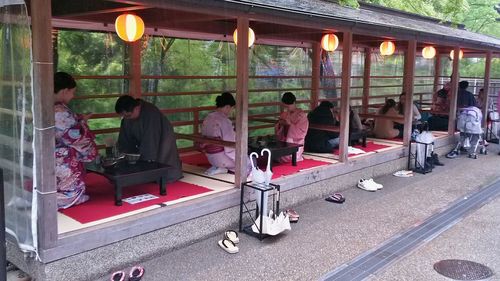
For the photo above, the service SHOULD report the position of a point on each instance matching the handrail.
(371, 115)
(204, 139)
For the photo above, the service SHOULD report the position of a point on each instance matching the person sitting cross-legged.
(217, 125)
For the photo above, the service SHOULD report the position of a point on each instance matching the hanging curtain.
(16, 124)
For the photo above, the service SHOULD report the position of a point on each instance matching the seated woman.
(441, 108)
(292, 125)
(74, 144)
(321, 141)
(401, 110)
(384, 127)
(217, 125)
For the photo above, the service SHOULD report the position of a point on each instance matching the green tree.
(477, 15)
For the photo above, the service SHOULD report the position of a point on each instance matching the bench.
(336, 129)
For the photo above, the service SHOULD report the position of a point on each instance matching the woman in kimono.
(74, 144)
(292, 125)
(217, 125)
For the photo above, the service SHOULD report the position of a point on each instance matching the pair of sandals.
(135, 274)
(336, 198)
(229, 242)
(293, 216)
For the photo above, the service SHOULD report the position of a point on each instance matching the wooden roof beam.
(61, 8)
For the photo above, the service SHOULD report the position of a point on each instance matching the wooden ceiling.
(216, 22)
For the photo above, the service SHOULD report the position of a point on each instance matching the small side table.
(125, 175)
(262, 188)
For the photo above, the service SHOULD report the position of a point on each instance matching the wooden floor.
(220, 183)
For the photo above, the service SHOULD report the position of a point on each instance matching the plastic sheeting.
(16, 124)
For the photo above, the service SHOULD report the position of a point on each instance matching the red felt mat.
(370, 147)
(284, 169)
(102, 203)
(196, 159)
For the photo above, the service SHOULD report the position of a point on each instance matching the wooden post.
(315, 82)
(3, 250)
(409, 73)
(437, 72)
(135, 89)
(366, 79)
(43, 119)
(345, 95)
(241, 102)
(486, 87)
(454, 89)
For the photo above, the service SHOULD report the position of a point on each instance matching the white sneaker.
(367, 185)
(215, 171)
(377, 185)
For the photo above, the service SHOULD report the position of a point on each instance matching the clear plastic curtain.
(16, 124)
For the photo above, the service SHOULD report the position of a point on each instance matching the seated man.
(145, 130)
(321, 141)
(464, 97)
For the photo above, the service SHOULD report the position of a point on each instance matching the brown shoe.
(292, 215)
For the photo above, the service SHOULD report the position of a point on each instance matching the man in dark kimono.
(145, 130)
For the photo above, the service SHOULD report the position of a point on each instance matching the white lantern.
(460, 54)
(329, 42)
(387, 48)
(251, 37)
(429, 52)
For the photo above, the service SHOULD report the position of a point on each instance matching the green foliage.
(477, 15)
(349, 3)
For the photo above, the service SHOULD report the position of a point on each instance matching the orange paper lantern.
(387, 48)
(460, 54)
(251, 37)
(129, 27)
(329, 42)
(428, 52)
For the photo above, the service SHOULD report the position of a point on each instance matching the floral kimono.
(294, 132)
(74, 145)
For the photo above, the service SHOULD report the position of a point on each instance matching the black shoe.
(436, 160)
(429, 163)
(423, 170)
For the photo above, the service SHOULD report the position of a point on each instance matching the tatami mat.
(385, 141)
(200, 171)
(67, 224)
(333, 157)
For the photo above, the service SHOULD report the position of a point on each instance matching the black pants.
(438, 123)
